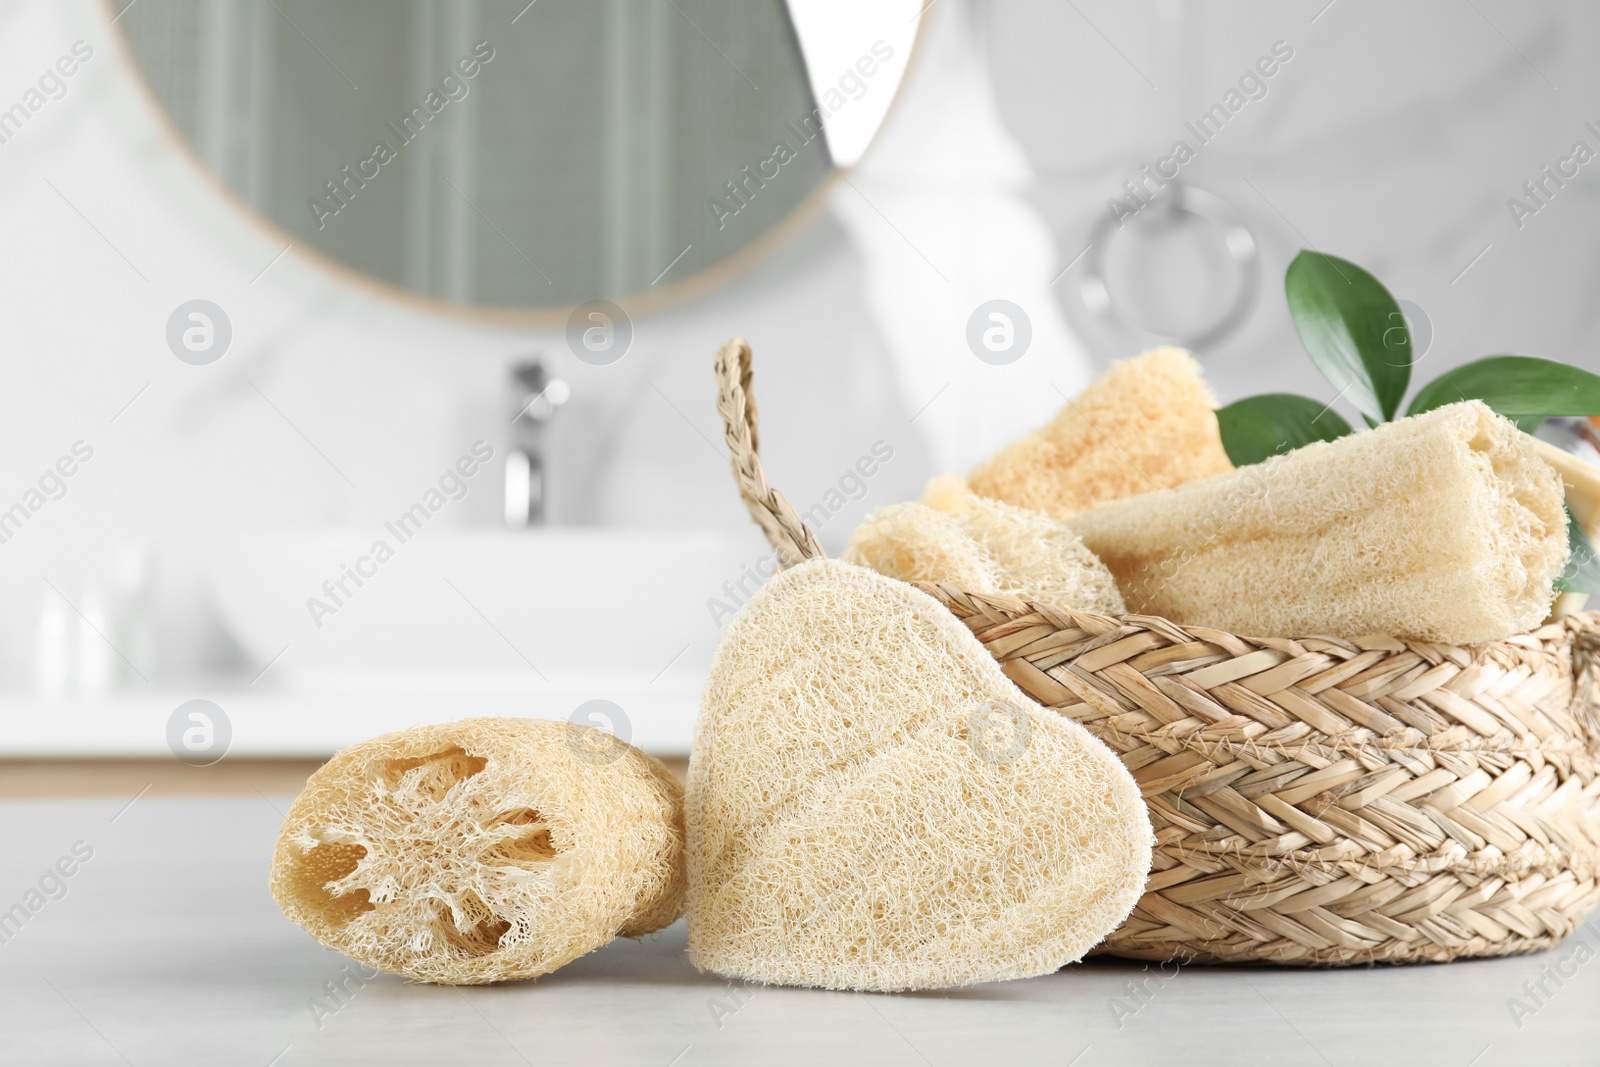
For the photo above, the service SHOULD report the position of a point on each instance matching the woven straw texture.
(1319, 800)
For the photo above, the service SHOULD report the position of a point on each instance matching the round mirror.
(520, 154)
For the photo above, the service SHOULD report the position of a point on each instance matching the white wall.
(1393, 137)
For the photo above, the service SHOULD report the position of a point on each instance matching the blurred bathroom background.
(246, 345)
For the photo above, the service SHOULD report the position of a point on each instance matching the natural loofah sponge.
(1442, 527)
(984, 546)
(1147, 423)
(949, 494)
(482, 850)
(917, 544)
(873, 805)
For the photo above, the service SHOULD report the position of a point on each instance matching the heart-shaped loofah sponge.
(482, 850)
(874, 806)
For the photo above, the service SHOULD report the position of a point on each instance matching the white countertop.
(296, 724)
(167, 949)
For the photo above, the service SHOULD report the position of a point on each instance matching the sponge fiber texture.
(984, 546)
(482, 850)
(1147, 423)
(874, 806)
(1444, 527)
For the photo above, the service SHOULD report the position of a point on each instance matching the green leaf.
(1518, 387)
(1353, 330)
(1582, 572)
(1261, 426)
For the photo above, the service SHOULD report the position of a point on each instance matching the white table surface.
(167, 949)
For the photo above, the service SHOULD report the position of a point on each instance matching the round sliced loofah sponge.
(482, 850)
(873, 805)
(985, 546)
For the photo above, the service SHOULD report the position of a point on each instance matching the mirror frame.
(647, 302)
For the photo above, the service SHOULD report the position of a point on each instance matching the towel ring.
(1237, 238)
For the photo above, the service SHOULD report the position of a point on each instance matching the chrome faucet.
(538, 393)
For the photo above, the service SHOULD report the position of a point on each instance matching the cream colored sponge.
(1147, 423)
(984, 546)
(1441, 527)
(874, 806)
(482, 850)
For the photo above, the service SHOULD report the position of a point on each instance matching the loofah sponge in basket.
(988, 546)
(1147, 423)
(1443, 527)
(481, 850)
(1315, 799)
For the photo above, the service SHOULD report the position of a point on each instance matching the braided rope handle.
(736, 404)
(1585, 635)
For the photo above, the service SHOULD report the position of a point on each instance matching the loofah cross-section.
(1147, 423)
(985, 546)
(482, 850)
(872, 805)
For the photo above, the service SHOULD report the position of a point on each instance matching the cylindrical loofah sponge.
(482, 850)
(1442, 527)
(984, 546)
(873, 805)
(1147, 423)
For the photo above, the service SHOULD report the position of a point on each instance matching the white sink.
(533, 622)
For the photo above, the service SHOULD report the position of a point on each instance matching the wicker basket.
(1315, 801)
